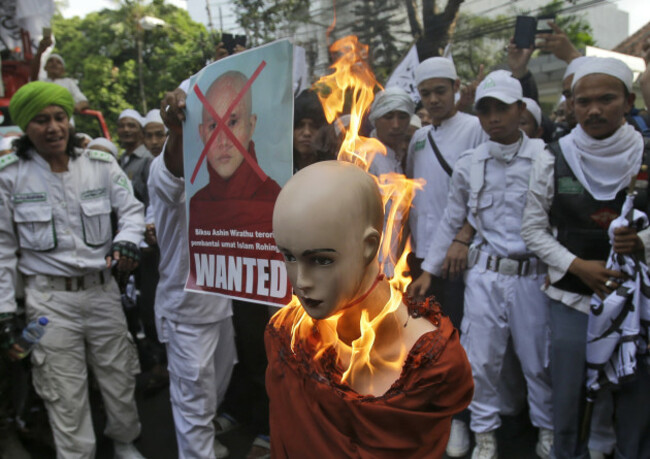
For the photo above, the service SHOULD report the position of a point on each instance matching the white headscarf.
(603, 167)
(389, 100)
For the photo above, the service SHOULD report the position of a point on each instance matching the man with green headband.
(55, 205)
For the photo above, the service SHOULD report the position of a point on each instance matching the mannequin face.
(324, 263)
(328, 249)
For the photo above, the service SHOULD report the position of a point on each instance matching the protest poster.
(237, 143)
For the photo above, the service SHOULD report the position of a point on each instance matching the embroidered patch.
(489, 83)
(122, 181)
(100, 156)
(7, 160)
(419, 145)
(604, 217)
(20, 198)
(567, 185)
(93, 194)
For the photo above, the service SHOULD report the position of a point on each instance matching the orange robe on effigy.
(315, 416)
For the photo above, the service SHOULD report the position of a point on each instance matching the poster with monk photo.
(237, 143)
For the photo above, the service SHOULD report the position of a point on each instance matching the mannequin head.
(327, 223)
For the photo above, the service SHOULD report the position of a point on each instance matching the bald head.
(327, 223)
(224, 156)
(225, 89)
(336, 194)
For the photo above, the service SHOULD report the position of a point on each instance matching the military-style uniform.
(503, 280)
(60, 222)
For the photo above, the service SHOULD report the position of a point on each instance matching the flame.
(352, 83)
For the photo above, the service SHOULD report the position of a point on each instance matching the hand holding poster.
(237, 154)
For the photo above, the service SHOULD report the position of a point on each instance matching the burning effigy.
(356, 369)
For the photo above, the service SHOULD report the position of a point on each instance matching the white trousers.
(200, 362)
(498, 306)
(86, 328)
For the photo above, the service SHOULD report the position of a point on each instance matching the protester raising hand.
(518, 59)
(557, 43)
(468, 91)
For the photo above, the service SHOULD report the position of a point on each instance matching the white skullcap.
(607, 66)
(103, 142)
(83, 135)
(435, 67)
(6, 143)
(573, 66)
(130, 113)
(154, 117)
(500, 85)
(534, 109)
(415, 121)
(388, 100)
(56, 56)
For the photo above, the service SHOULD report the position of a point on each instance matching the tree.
(101, 52)
(374, 28)
(478, 40)
(577, 28)
(262, 18)
(436, 27)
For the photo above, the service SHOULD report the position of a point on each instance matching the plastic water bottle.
(31, 335)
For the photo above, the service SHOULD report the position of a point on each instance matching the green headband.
(30, 99)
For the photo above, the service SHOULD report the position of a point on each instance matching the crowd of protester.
(509, 235)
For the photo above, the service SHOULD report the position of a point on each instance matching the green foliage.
(263, 19)
(374, 29)
(478, 40)
(100, 51)
(577, 29)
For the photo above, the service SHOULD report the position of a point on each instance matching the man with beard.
(577, 188)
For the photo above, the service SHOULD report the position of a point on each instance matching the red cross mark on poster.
(221, 125)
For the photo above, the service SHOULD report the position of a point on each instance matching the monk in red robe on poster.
(336, 390)
(235, 199)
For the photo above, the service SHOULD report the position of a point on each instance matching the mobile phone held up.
(525, 29)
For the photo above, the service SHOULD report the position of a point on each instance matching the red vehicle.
(15, 73)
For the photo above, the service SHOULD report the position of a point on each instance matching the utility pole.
(207, 8)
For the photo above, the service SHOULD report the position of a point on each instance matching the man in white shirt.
(432, 154)
(197, 329)
(577, 188)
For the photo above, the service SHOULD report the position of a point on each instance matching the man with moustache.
(136, 159)
(577, 188)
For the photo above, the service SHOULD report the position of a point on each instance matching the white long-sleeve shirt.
(61, 221)
(500, 204)
(167, 199)
(536, 230)
(455, 135)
